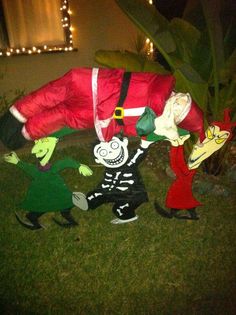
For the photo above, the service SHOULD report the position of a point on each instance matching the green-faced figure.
(47, 191)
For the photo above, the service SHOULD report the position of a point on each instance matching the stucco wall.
(99, 24)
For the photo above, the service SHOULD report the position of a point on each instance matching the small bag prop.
(145, 124)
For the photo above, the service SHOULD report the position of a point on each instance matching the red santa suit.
(180, 194)
(87, 98)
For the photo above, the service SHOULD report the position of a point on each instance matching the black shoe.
(29, 226)
(10, 132)
(192, 215)
(164, 213)
(69, 218)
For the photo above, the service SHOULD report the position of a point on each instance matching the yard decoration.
(48, 191)
(180, 196)
(198, 49)
(122, 183)
(111, 100)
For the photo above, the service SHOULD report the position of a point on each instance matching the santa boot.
(10, 132)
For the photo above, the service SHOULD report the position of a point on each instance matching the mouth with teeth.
(118, 160)
(40, 158)
(191, 161)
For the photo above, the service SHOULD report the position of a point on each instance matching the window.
(34, 26)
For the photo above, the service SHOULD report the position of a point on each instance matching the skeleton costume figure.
(122, 183)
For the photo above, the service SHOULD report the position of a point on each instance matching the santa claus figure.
(110, 100)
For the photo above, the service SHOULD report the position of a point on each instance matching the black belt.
(119, 110)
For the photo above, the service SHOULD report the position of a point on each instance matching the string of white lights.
(68, 29)
(149, 44)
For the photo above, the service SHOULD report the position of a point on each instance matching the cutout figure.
(180, 196)
(122, 183)
(48, 191)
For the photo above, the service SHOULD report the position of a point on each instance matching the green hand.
(11, 158)
(85, 170)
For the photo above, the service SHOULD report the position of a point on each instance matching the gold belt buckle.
(119, 113)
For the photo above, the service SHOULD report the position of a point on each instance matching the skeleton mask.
(112, 154)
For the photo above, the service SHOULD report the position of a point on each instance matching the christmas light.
(66, 24)
(149, 44)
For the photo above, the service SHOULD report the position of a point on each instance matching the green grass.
(151, 266)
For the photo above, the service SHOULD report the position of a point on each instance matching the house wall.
(98, 24)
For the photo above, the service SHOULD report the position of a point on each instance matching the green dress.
(48, 191)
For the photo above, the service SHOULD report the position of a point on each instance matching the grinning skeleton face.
(112, 154)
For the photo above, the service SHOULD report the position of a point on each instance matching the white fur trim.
(105, 123)
(182, 111)
(128, 112)
(25, 133)
(132, 112)
(174, 112)
(165, 124)
(14, 111)
(97, 123)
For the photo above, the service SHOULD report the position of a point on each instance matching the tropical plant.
(199, 49)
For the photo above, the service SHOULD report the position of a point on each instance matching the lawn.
(151, 266)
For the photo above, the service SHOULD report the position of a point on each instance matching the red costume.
(87, 98)
(180, 194)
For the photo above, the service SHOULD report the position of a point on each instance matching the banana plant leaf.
(158, 29)
(193, 13)
(186, 37)
(129, 61)
(202, 58)
(154, 25)
(211, 11)
(229, 71)
(191, 82)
